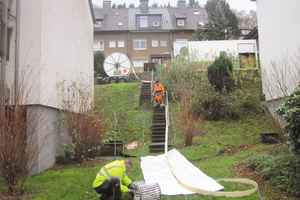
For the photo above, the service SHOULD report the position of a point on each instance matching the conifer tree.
(210, 7)
(217, 27)
(199, 33)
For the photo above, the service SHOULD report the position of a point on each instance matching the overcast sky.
(236, 4)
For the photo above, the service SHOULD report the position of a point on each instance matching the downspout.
(17, 50)
(3, 47)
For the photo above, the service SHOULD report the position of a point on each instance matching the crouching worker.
(112, 180)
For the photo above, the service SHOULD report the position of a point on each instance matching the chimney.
(144, 6)
(181, 6)
(106, 6)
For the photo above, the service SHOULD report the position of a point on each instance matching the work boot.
(157, 105)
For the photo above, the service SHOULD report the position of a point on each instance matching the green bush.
(64, 159)
(244, 98)
(99, 58)
(290, 111)
(282, 170)
(219, 73)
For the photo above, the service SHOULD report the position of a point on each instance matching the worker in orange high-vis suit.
(159, 92)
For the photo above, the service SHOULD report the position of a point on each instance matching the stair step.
(156, 138)
(158, 147)
(159, 121)
(159, 117)
(158, 129)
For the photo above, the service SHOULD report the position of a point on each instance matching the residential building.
(53, 42)
(244, 31)
(145, 34)
(279, 48)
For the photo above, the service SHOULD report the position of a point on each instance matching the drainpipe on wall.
(3, 47)
(17, 52)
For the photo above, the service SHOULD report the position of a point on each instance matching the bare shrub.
(84, 124)
(20, 141)
(187, 120)
(280, 79)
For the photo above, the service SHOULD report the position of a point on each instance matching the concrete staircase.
(145, 95)
(159, 120)
(158, 131)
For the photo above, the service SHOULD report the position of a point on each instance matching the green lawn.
(212, 141)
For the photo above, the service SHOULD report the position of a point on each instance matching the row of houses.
(145, 34)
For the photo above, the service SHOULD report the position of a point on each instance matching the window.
(180, 22)
(121, 43)
(196, 12)
(156, 60)
(139, 63)
(96, 46)
(139, 44)
(163, 43)
(155, 43)
(98, 23)
(143, 21)
(99, 46)
(201, 23)
(245, 32)
(112, 44)
(156, 23)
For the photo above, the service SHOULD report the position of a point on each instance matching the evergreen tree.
(210, 6)
(193, 3)
(154, 5)
(219, 73)
(217, 27)
(99, 58)
(199, 33)
(131, 5)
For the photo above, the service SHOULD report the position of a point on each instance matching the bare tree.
(20, 141)
(154, 4)
(246, 20)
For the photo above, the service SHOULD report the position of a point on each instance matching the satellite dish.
(116, 64)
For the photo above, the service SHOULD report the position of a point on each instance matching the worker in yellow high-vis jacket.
(112, 180)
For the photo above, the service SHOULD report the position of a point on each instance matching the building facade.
(47, 41)
(145, 34)
(279, 48)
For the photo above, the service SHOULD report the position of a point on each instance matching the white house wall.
(57, 43)
(279, 39)
(209, 50)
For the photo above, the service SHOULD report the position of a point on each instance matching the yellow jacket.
(115, 169)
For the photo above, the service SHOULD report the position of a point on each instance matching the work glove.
(163, 94)
(131, 192)
(153, 94)
(130, 186)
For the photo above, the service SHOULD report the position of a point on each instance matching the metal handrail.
(152, 79)
(167, 121)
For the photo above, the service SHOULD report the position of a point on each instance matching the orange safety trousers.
(159, 99)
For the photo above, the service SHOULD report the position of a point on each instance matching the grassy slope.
(213, 139)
